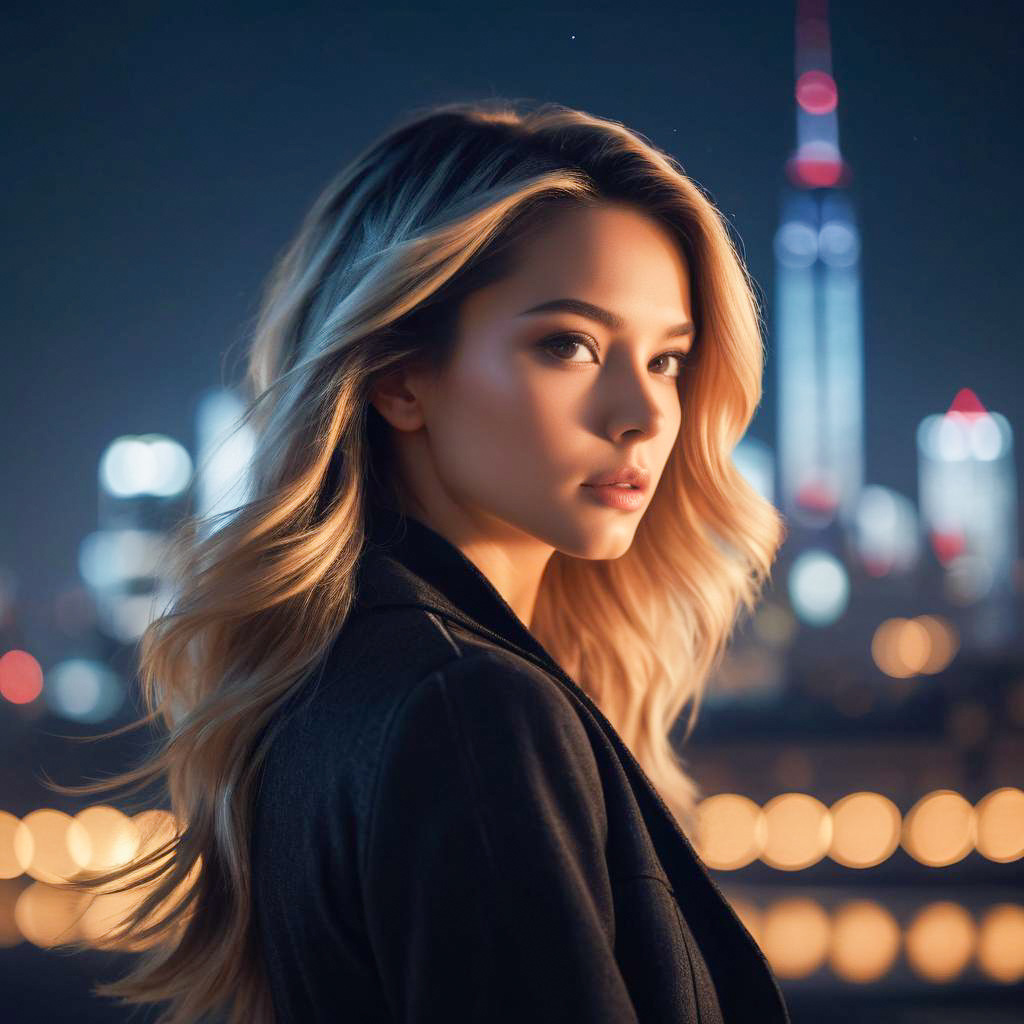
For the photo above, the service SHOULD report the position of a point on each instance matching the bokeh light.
(83, 690)
(731, 831)
(1000, 824)
(940, 941)
(865, 829)
(1000, 950)
(60, 845)
(17, 846)
(10, 933)
(795, 936)
(47, 916)
(149, 464)
(940, 828)
(865, 941)
(113, 837)
(21, 677)
(819, 587)
(798, 831)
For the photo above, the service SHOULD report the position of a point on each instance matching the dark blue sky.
(156, 158)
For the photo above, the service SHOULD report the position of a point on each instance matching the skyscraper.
(819, 342)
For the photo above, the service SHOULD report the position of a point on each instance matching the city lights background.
(861, 751)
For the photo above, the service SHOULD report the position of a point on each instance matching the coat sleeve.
(485, 883)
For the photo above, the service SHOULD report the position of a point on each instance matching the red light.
(817, 497)
(816, 173)
(967, 403)
(947, 545)
(816, 92)
(21, 678)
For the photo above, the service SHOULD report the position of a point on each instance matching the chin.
(601, 544)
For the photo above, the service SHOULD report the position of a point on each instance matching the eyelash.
(581, 339)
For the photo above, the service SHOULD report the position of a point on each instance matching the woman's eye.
(572, 342)
(679, 357)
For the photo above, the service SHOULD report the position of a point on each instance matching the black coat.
(449, 830)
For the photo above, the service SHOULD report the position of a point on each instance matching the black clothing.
(449, 830)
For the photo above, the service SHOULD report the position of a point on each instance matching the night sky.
(157, 157)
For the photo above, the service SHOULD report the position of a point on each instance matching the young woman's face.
(535, 403)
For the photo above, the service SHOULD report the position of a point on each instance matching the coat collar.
(405, 562)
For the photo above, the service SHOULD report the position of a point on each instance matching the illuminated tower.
(967, 489)
(819, 344)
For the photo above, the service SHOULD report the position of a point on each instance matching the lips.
(637, 477)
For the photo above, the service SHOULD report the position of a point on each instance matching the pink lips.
(629, 499)
(633, 475)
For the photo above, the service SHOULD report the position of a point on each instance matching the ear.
(392, 395)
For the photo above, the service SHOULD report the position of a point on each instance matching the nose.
(635, 400)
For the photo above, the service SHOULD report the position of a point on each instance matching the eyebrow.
(602, 316)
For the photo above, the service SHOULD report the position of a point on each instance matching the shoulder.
(492, 702)
(487, 730)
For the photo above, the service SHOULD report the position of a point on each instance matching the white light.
(127, 615)
(838, 244)
(172, 467)
(796, 244)
(109, 559)
(887, 532)
(84, 690)
(147, 464)
(952, 439)
(819, 587)
(225, 454)
(986, 439)
(125, 467)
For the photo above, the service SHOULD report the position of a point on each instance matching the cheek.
(501, 424)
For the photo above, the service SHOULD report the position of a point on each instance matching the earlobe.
(393, 399)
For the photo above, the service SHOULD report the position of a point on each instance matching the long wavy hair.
(434, 209)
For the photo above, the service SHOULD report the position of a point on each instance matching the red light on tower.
(816, 92)
(967, 403)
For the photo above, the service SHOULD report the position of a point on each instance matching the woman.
(419, 687)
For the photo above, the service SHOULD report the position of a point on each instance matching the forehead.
(613, 255)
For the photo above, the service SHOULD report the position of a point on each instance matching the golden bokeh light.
(16, 846)
(940, 941)
(109, 909)
(1001, 942)
(730, 831)
(885, 648)
(940, 829)
(114, 837)
(799, 831)
(1000, 825)
(47, 916)
(795, 937)
(902, 648)
(53, 847)
(10, 933)
(865, 941)
(944, 641)
(61, 845)
(107, 912)
(865, 829)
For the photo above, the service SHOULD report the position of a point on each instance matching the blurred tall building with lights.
(968, 496)
(819, 343)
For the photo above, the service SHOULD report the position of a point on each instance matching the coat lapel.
(406, 563)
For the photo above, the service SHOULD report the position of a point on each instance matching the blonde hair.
(434, 209)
